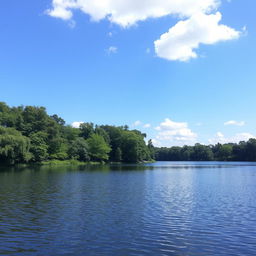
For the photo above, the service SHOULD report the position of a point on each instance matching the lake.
(164, 208)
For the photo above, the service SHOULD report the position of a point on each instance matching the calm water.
(166, 208)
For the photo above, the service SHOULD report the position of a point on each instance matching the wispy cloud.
(137, 123)
(112, 50)
(236, 123)
(147, 125)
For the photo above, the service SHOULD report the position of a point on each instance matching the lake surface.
(165, 208)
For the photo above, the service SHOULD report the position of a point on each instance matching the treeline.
(29, 134)
(243, 151)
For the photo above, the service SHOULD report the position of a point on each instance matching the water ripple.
(159, 209)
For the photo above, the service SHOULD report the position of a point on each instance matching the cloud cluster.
(180, 42)
(174, 133)
(128, 12)
(221, 138)
(199, 25)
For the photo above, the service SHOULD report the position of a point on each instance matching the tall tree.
(98, 148)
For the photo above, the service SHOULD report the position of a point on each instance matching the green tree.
(87, 129)
(14, 148)
(39, 147)
(223, 152)
(134, 148)
(98, 148)
(201, 153)
(79, 150)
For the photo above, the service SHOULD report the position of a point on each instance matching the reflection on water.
(164, 208)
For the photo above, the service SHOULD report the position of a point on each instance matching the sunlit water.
(165, 208)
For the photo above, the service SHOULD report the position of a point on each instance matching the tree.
(151, 149)
(87, 129)
(58, 120)
(222, 152)
(39, 147)
(103, 133)
(118, 155)
(133, 147)
(14, 148)
(251, 150)
(115, 138)
(79, 150)
(201, 153)
(98, 148)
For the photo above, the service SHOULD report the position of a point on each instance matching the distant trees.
(29, 134)
(243, 151)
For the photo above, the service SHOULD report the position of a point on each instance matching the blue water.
(165, 208)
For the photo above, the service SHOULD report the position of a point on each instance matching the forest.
(243, 151)
(29, 135)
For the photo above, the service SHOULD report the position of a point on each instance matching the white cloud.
(137, 123)
(76, 124)
(236, 123)
(220, 138)
(147, 125)
(180, 42)
(112, 49)
(174, 133)
(128, 12)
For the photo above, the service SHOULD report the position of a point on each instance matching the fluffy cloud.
(180, 42)
(174, 133)
(236, 123)
(128, 12)
(220, 138)
(76, 124)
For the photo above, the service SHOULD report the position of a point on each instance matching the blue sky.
(184, 71)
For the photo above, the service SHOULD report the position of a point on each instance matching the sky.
(182, 71)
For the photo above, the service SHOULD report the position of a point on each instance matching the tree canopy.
(243, 151)
(29, 134)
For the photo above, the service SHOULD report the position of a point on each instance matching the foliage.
(98, 148)
(14, 147)
(79, 150)
(133, 147)
(48, 138)
(29, 134)
(243, 151)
